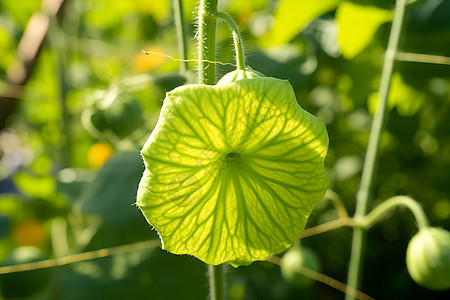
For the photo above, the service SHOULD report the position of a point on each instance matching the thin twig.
(324, 279)
(335, 224)
(189, 60)
(422, 58)
(70, 259)
(363, 196)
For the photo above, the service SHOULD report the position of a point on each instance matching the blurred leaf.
(292, 16)
(105, 14)
(442, 209)
(72, 182)
(347, 167)
(113, 192)
(12, 206)
(4, 226)
(358, 25)
(288, 61)
(158, 9)
(240, 6)
(22, 10)
(37, 186)
(431, 15)
(402, 96)
(42, 93)
(6, 49)
(244, 10)
(42, 165)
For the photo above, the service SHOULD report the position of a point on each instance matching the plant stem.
(216, 282)
(423, 58)
(206, 51)
(337, 203)
(207, 41)
(324, 227)
(240, 59)
(363, 194)
(383, 208)
(181, 34)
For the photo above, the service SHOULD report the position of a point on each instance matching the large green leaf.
(358, 25)
(112, 193)
(292, 16)
(233, 171)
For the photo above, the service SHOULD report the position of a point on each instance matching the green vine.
(216, 282)
(363, 194)
(371, 218)
(207, 74)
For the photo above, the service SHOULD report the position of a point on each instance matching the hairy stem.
(240, 59)
(206, 35)
(216, 282)
(363, 195)
(206, 53)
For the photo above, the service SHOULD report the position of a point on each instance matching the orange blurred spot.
(99, 153)
(29, 233)
(142, 62)
(245, 15)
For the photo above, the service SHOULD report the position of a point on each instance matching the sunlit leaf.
(292, 16)
(358, 25)
(233, 171)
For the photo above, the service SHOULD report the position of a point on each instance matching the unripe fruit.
(428, 258)
(296, 258)
(121, 116)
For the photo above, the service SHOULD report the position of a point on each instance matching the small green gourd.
(296, 258)
(121, 116)
(428, 258)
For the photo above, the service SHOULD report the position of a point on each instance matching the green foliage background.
(53, 199)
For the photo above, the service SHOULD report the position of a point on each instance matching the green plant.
(234, 167)
(221, 186)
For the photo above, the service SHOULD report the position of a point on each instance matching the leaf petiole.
(371, 218)
(240, 59)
